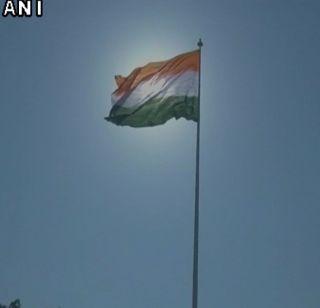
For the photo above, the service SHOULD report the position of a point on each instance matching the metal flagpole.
(196, 210)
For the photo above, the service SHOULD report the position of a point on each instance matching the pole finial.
(200, 44)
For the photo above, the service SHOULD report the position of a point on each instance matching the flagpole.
(196, 209)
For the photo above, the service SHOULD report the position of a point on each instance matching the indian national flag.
(157, 92)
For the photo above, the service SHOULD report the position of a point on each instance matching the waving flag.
(157, 92)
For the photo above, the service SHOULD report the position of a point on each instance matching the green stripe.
(155, 112)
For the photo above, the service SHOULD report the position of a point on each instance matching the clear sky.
(92, 214)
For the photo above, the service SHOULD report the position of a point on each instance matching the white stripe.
(185, 84)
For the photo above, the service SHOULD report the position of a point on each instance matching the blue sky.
(94, 214)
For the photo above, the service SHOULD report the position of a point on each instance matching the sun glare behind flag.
(153, 94)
